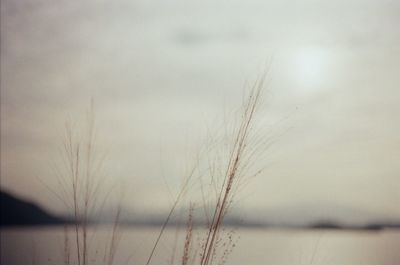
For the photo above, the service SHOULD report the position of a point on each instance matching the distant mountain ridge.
(18, 212)
(320, 214)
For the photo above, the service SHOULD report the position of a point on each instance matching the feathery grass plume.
(226, 174)
(81, 179)
(238, 160)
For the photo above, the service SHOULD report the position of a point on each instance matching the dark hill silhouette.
(17, 212)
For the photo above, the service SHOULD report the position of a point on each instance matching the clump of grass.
(80, 179)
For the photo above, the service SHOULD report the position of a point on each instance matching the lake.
(252, 246)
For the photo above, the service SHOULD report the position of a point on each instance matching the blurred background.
(163, 75)
(160, 72)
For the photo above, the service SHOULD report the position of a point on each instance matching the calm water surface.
(254, 246)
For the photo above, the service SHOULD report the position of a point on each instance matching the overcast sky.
(162, 73)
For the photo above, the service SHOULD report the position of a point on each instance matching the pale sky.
(162, 72)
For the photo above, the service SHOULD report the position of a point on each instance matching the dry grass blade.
(236, 156)
(67, 250)
(115, 236)
(171, 211)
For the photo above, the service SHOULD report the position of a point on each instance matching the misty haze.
(200, 132)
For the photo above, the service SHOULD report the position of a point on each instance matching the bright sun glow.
(310, 66)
